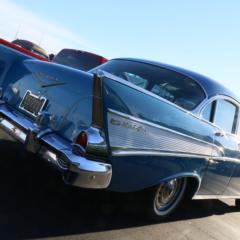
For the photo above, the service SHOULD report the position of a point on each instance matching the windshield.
(170, 85)
(77, 59)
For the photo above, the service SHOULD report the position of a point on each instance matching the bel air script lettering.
(127, 124)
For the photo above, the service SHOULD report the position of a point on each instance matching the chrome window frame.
(216, 98)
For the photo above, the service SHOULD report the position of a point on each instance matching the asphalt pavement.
(36, 204)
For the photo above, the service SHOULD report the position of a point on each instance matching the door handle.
(219, 134)
(212, 161)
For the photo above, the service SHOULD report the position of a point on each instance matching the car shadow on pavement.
(35, 203)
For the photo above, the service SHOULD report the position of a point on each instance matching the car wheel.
(165, 198)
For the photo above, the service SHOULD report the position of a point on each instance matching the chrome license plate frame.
(32, 104)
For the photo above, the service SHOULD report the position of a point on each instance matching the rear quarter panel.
(151, 140)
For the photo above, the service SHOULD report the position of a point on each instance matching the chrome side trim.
(127, 133)
(201, 197)
(170, 154)
(156, 153)
(227, 159)
(155, 125)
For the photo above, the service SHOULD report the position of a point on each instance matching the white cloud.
(30, 26)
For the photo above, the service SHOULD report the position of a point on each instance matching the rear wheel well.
(192, 187)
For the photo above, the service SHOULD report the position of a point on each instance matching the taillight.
(82, 139)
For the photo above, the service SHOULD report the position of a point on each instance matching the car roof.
(211, 87)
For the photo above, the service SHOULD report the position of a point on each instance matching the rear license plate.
(32, 103)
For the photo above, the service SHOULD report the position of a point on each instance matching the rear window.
(174, 87)
(77, 59)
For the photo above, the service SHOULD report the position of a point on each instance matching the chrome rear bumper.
(77, 169)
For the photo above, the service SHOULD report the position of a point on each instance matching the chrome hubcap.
(166, 194)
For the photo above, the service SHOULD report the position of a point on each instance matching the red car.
(23, 50)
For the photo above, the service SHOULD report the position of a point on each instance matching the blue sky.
(203, 36)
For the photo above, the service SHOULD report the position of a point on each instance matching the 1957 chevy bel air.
(129, 125)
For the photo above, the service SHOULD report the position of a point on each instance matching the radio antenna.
(41, 39)
(18, 30)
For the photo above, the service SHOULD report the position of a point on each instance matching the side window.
(226, 115)
(222, 113)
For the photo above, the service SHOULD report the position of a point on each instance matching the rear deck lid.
(63, 93)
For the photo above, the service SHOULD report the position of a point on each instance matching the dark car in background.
(78, 59)
(30, 46)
